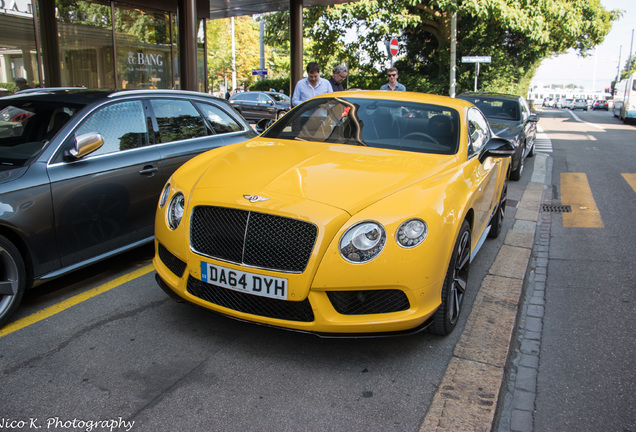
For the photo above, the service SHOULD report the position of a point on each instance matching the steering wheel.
(422, 135)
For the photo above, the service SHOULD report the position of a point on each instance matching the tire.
(12, 279)
(497, 220)
(516, 174)
(446, 317)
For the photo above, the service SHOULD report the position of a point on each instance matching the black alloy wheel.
(12, 279)
(446, 317)
(497, 219)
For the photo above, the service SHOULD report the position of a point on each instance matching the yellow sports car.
(355, 213)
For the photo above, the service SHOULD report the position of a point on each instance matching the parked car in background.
(509, 117)
(579, 104)
(356, 213)
(81, 172)
(600, 105)
(259, 105)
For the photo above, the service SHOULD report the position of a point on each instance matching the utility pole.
(453, 65)
(233, 58)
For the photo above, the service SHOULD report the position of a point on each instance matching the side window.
(177, 120)
(252, 97)
(478, 130)
(263, 98)
(525, 108)
(122, 125)
(220, 121)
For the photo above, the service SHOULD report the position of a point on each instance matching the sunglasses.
(392, 74)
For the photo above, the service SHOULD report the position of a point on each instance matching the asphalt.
(503, 330)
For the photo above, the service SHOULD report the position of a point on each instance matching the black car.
(509, 117)
(257, 105)
(81, 173)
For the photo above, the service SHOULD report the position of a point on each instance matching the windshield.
(503, 109)
(26, 127)
(401, 125)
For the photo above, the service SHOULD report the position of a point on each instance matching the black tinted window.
(177, 120)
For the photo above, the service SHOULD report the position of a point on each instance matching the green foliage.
(276, 84)
(516, 34)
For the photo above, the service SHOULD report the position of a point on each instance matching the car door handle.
(149, 171)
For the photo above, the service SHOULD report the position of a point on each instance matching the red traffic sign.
(393, 46)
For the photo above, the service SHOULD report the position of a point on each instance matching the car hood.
(342, 176)
(505, 129)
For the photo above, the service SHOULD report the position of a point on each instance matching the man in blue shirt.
(392, 73)
(311, 86)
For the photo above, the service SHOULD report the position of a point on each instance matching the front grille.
(251, 304)
(368, 302)
(174, 264)
(252, 238)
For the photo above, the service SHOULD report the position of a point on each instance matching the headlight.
(362, 242)
(411, 233)
(164, 195)
(175, 209)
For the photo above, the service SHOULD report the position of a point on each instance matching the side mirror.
(263, 124)
(270, 102)
(533, 118)
(86, 144)
(496, 147)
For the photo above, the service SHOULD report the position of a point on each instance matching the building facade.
(97, 44)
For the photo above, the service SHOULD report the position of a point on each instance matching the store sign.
(145, 61)
(16, 7)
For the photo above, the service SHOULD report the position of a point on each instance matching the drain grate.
(556, 208)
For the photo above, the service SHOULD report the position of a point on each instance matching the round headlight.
(164, 195)
(411, 233)
(175, 210)
(362, 242)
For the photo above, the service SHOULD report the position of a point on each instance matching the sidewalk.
(468, 396)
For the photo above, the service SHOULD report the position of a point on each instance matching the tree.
(516, 34)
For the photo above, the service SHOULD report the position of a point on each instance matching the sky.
(599, 69)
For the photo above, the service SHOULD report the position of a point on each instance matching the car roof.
(401, 96)
(87, 96)
(491, 95)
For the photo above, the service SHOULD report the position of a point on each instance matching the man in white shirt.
(311, 86)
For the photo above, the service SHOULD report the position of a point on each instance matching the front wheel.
(446, 317)
(497, 219)
(12, 279)
(516, 173)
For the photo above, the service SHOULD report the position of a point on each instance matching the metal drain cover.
(556, 208)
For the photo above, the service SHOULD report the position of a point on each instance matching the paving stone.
(466, 399)
(511, 262)
(521, 421)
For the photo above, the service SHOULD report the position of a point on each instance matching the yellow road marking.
(59, 307)
(631, 179)
(576, 192)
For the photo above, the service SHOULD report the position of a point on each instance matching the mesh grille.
(252, 238)
(368, 302)
(251, 304)
(174, 264)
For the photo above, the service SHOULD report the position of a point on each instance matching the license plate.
(250, 283)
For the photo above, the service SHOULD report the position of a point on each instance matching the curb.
(468, 395)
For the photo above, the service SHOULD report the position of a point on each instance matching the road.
(573, 368)
(106, 344)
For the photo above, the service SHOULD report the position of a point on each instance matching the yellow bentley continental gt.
(357, 213)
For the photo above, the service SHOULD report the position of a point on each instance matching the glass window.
(252, 97)
(86, 44)
(478, 130)
(143, 48)
(220, 121)
(18, 57)
(122, 125)
(177, 120)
